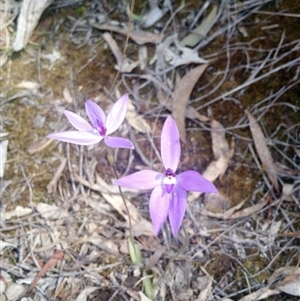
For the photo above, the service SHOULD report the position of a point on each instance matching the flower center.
(100, 128)
(169, 180)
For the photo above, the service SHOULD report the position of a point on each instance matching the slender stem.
(177, 254)
(112, 162)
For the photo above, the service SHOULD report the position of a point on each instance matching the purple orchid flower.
(169, 195)
(101, 127)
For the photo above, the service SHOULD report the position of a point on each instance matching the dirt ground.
(235, 96)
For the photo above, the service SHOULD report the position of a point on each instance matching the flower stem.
(112, 162)
(134, 252)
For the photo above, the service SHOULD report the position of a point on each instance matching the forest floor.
(233, 90)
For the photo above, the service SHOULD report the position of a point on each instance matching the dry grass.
(59, 197)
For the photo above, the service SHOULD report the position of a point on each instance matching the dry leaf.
(51, 211)
(235, 212)
(67, 95)
(103, 244)
(206, 292)
(291, 234)
(181, 97)
(19, 212)
(216, 202)
(39, 145)
(186, 56)
(153, 16)
(143, 56)
(14, 291)
(28, 85)
(136, 120)
(296, 150)
(201, 31)
(138, 36)
(263, 150)
(4, 244)
(52, 183)
(140, 226)
(51, 263)
(220, 145)
(86, 292)
(287, 280)
(247, 211)
(261, 294)
(152, 261)
(191, 112)
(123, 64)
(221, 150)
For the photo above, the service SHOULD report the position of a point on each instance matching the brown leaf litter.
(263, 150)
(181, 96)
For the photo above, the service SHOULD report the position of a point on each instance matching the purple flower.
(101, 127)
(169, 195)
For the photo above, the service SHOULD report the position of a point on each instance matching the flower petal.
(78, 122)
(170, 144)
(177, 209)
(159, 207)
(94, 112)
(81, 138)
(192, 181)
(116, 115)
(118, 142)
(144, 179)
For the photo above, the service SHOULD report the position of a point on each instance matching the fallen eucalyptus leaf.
(201, 31)
(51, 211)
(19, 212)
(51, 263)
(220, 145)
(4, 244)
(84, 294)
(181, 97)
(185, 57)
(287, 280)
(263, 150)
(28, 85)
(236, 212)
(140, 226)
(153, 16)
(123, 64)
(39, 145)
(191, 112)
(103, 244)
(261, 294)
(14, 291)
(136, 120)
(53, 182)
(138, 36)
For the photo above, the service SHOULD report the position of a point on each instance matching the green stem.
(177, 254)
